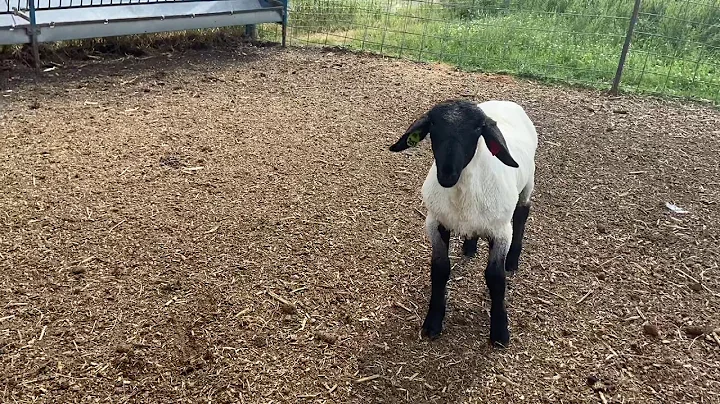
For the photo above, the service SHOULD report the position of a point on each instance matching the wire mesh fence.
(675, 45)
(69, 4)
(7, 6)
(676, 49)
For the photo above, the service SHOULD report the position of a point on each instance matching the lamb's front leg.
(495, 279)
(439, 274)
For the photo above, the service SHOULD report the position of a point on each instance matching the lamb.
(476, 189)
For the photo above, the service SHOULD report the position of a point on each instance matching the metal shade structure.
(34, 21)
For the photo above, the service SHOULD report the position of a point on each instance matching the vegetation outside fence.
(675, 46)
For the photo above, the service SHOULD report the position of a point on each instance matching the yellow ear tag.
(413, 139)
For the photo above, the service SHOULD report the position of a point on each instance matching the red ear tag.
(494, 148)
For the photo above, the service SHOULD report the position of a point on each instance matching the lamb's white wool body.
(484, 198)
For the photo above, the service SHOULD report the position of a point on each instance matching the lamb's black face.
(455, 128)
(454, 133)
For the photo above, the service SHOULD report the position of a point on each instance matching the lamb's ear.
(414, 134)
(496, 143)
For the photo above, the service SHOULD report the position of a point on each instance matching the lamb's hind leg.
(522, 211)
(520, 216)
(470, 247)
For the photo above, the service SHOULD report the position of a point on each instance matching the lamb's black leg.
(440, 273)
(495, 279)
(470, 247)
(522, 211)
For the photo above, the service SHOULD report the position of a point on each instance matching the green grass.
(676, 49)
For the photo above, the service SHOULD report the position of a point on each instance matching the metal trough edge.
(99, 29)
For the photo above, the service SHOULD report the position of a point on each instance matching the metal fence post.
(33, 34)
(286, 7)
(251, 32)
(626, 47)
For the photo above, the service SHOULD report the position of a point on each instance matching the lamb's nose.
(448, 177)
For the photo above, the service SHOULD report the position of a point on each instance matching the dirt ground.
(229, 226)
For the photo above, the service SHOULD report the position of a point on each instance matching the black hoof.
(499, 332)
(500, 337)
(432, 327)
(431, 334)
